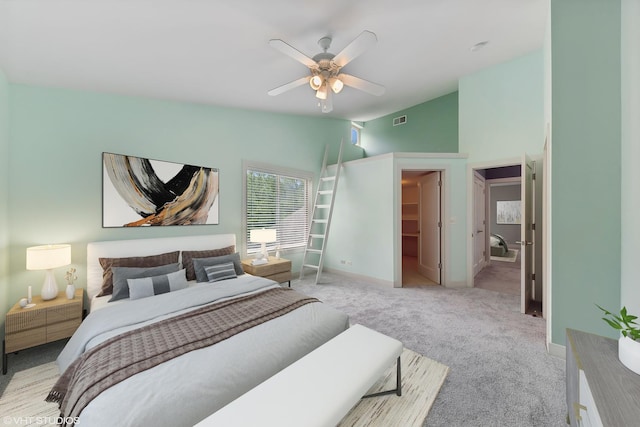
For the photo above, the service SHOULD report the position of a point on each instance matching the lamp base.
(49, 287)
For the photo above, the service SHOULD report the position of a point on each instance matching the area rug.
(421, 382)
(510, 256)
(23, 400)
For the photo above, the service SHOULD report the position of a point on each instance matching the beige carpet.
(23, 400)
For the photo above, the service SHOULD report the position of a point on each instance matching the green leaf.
(613, 324)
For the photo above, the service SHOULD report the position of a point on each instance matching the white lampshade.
(322, 92)
(315, 82)
(263, 235)
(48, 257)
(336, 84)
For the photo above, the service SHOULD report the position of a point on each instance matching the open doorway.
(504, 242)
(421, 228)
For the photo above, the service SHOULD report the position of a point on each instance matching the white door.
(430, 226)
(479, 215)
(526, 233)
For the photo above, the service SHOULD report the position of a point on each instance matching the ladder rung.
(320, 221)
(314, 251)
(323, 206)
(325, 192)
(328, 178)
(311, 266)
(317, 236)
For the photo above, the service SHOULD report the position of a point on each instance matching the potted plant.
(629, 342)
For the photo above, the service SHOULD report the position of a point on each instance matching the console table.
(601, 391)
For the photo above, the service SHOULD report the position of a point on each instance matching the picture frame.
(508, 212)
(138, 192)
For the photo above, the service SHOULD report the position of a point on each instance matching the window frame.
(268, 168)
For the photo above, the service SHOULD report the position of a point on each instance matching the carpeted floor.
(500, 276)
(500, 373)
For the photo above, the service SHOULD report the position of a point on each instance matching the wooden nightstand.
(48, 321)
(277, 269)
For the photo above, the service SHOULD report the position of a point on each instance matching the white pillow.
(149, 286)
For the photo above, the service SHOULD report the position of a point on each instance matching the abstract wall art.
(508, 212)
(143, 192)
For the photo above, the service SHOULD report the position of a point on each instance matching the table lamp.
(48, 257)
(263, 236)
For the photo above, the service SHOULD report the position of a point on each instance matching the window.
(356, 129)
(277, 198)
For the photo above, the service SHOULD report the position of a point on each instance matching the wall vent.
(397, 121)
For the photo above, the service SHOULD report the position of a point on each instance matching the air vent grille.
(397, 121)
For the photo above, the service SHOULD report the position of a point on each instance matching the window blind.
(278, 199)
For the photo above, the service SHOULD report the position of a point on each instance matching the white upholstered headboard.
(144, 247)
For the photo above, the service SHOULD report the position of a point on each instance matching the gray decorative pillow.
(138, 261)
(188, 256)
(200, 263)
(150, 286)
(122, 274)
(219, 272)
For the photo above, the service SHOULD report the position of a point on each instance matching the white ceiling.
(216, 51)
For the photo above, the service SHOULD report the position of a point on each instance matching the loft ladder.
(321, 216)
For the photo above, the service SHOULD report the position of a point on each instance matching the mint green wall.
(55, 163)
(585, 202)
(362, 224)
(502, 110)
(432, 127)
(4, 196)
(630, 289)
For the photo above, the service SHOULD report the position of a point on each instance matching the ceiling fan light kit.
(325, 69)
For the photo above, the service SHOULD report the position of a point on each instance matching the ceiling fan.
(325, 69)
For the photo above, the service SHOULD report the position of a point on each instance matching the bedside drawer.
(62, 330)
(281, 277)
(27, 319)
(25, 339)
(64, 313)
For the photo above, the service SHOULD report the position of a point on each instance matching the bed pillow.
(149, 286)
(199, 265)
(139, 261)
(218, 272)
(122, 274)
(188, 256)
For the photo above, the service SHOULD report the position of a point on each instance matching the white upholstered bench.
(319, 389)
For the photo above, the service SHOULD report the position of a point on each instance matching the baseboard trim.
(386, 283)
(557, 350)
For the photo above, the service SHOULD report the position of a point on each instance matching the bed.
(498, 245)
(191, 385)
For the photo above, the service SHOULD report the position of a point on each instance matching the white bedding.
(187, 389)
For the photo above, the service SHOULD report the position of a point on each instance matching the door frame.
(444, 213)
(471, 170)
(474, 228)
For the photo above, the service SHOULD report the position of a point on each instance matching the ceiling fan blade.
(361, 84)
(291, 85)
(364, 41)
(292, 52)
